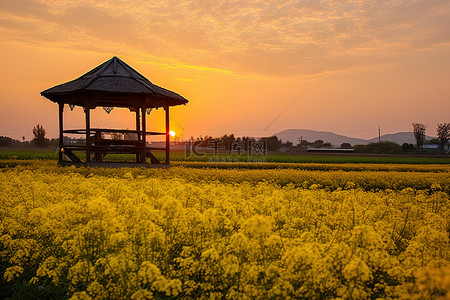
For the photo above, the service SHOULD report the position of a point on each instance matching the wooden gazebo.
(112, 84)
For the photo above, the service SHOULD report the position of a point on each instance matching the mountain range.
(295, 135)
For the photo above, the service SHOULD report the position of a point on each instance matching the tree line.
(273, 143)
(39, 140)
(442, 132)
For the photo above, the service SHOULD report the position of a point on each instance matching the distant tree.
(407, 147)
(288, 144)
(326, 145)
(303, 144)
(54, 142)
(346, 146)
(5, 141)
(443, 133)
(19, 144)
(379, 148)
(39, 136)
(432, 141)
(227, 140)
(204, 141)
(246, 140)
(273, 143)
(419, 134)
(317, 144)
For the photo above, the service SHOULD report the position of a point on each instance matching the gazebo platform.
(113, 164)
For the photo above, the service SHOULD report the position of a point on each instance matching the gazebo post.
(87, 112)
(61, 136)
(144, 134)
(138, 129)
(167, 135)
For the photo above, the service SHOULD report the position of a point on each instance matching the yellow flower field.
(99, 233)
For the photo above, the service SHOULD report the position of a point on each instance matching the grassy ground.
(26, 154)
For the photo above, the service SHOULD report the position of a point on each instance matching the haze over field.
(248, 67)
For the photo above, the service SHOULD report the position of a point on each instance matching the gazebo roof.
(113, 83)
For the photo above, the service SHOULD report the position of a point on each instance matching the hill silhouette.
(294, 136)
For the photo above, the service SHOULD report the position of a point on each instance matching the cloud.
(272, 38)
(23, 7)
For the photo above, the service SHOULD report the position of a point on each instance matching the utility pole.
(379, 134)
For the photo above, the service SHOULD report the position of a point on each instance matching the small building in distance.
(435, 148)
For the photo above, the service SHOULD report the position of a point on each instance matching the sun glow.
(172, 133)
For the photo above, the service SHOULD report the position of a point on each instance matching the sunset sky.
(247, 67)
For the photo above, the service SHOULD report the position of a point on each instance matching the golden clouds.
(264, 37)
(368, 62)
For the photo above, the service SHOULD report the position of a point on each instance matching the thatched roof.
(113, 83)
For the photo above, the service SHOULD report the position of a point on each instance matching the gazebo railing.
(100, 146)
(83, 131)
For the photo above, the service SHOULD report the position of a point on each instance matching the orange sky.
(247, 67)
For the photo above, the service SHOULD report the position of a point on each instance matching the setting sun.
(172, 133)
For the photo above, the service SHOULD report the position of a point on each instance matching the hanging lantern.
(108, 109)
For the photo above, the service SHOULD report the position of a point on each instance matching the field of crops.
(213, 230)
